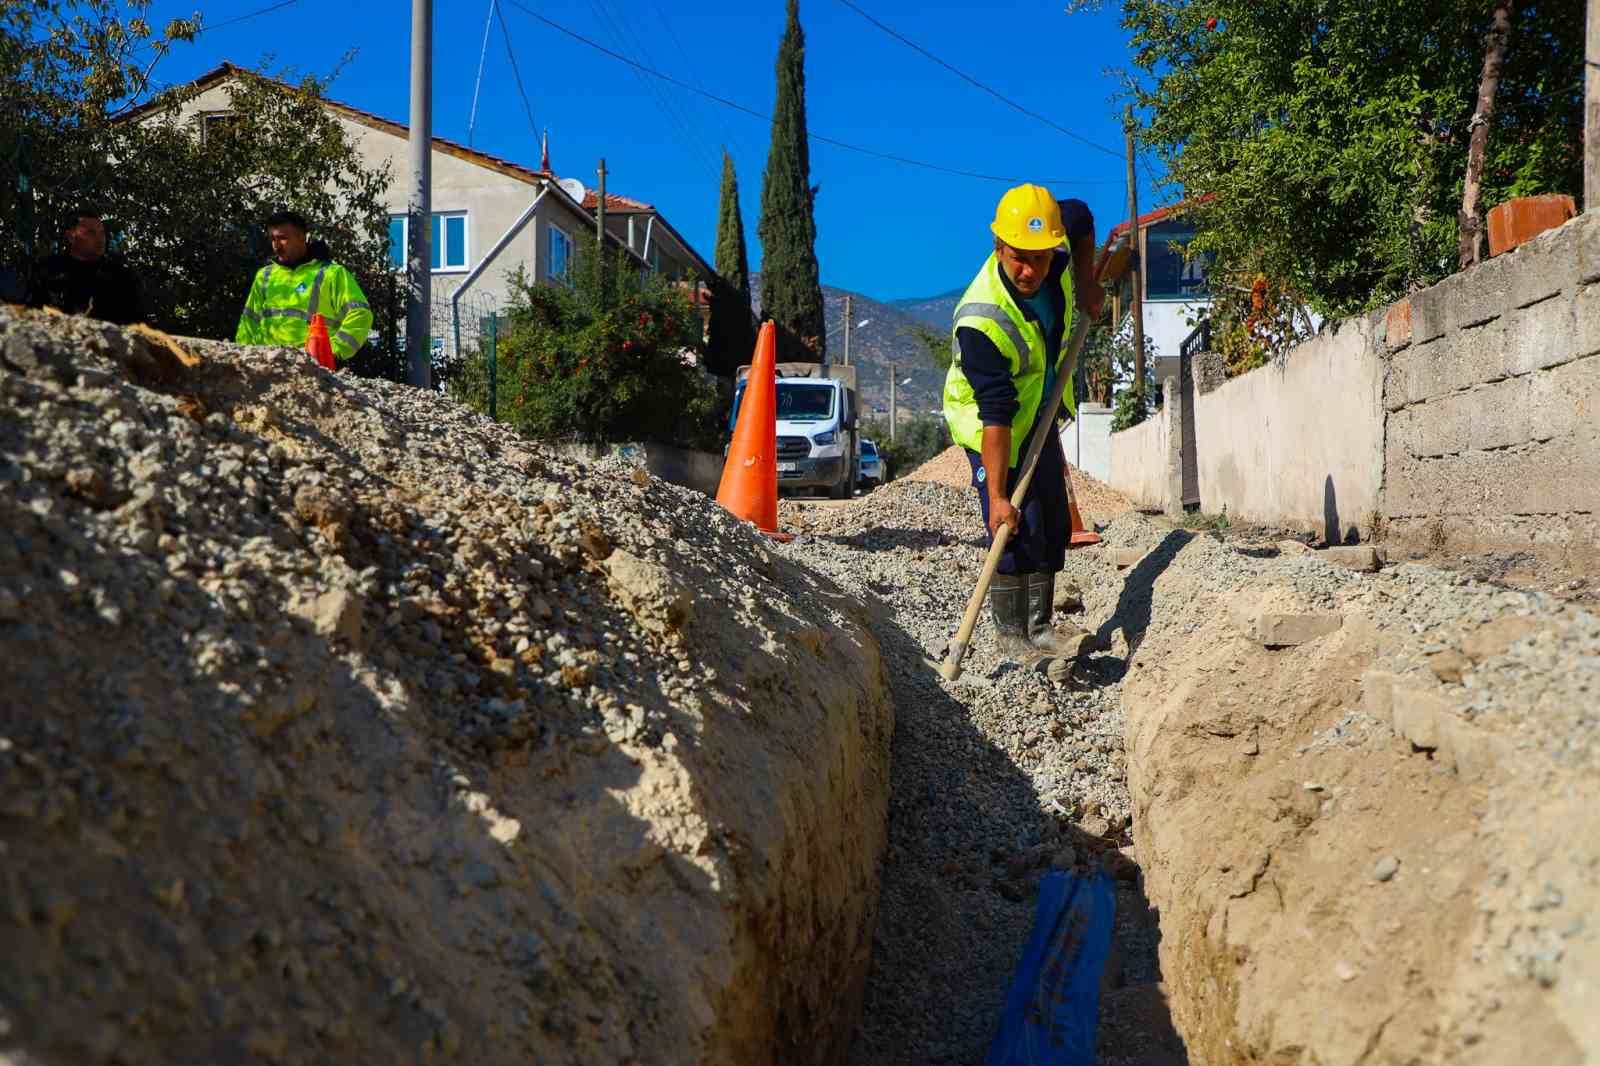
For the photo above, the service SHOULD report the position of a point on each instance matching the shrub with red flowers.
(611, 357)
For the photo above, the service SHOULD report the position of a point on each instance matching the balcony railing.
(1198, 341)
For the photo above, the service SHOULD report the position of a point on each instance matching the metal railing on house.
(1199, 340)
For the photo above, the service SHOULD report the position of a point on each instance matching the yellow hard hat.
(1029, 218)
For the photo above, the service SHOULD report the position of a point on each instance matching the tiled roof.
(1157, 215)
(367, 118)
(591, 200)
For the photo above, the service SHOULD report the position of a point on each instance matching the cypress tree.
(732, 336)
(733, 260)
(791, 289)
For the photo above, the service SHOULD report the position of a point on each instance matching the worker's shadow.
(1132, 614)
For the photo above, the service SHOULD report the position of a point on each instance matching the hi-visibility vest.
(283, 299)
(987, 306)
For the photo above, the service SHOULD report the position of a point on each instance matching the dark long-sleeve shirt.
(989, 371)
(105, 289)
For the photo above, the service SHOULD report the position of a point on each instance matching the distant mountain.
(887, 337)
(933, 310)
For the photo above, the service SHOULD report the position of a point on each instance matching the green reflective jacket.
(987, 306)
(283, 299)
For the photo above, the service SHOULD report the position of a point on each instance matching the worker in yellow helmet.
(1009, 338)
(302, 280)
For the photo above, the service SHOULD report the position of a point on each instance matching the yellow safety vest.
(283, 299)
(987, 307)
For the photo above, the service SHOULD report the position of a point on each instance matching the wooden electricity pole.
(1135, 264)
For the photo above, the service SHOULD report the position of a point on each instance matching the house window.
(212, 122)
(397, 242)
(447, 245)
(560, 254)
(1168, 275)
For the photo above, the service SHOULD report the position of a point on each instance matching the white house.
(490, 215)
(1174, 289)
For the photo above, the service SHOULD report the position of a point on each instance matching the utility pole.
(894, 406)
(1136, 266)
(600, 227)
(419, 206)
(848, 314)
(1591, 110)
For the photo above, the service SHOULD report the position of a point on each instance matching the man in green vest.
(302, 281)
(1009, 336)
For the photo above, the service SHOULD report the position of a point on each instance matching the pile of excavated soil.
(341, 724)
(1098, 502)
(1395, 819)
(996, 779)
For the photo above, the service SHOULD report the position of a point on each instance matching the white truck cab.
(817, 435)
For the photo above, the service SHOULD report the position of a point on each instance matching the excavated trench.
(1351, 810)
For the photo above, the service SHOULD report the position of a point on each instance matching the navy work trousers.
(1040, 544)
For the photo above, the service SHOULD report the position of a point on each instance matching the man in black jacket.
(83, 279)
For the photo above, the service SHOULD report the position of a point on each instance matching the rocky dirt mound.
(1364, 803)
(1098, 502)
(339, 724)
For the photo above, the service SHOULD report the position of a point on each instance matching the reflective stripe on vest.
(987, 306)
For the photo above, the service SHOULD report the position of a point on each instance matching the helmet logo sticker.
(1035, 224)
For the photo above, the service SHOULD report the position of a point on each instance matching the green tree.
(1331, 136)
(732, 330)
(603, 360)
(791, 286)
(187, 210)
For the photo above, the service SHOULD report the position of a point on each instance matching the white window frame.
(572, 248)
(405, 236)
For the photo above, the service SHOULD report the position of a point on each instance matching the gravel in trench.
(995, 778)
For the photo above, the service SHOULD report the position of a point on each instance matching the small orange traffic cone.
(749, 486)
(317, 342)
(1081, 537)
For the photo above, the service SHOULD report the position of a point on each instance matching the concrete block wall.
(1299, 442)
(1492, 395)
(1086, 442)
(1140, 458)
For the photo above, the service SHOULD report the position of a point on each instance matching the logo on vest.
(1035, 224)
(300, 288)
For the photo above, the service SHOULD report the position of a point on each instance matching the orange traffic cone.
(749, 486)
(1081, 537)
(317, 342)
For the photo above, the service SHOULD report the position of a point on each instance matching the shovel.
(1046, 424)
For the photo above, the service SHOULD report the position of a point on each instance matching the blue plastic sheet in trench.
(1053, 1006)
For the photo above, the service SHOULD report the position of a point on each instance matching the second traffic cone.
(317, 342)
(1081, 537)
(749, 487)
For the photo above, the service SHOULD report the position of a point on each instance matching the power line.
(675, 115)
(483, 55)
(243, 18)
(505, 32)
(753, 113)
(964, 76)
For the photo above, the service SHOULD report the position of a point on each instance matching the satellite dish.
(573, 188)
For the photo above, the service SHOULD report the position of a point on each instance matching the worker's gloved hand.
(1002, 513)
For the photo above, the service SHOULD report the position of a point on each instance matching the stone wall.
(1492, 393)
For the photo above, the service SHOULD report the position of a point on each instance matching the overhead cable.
(753, 113)
(964, 76)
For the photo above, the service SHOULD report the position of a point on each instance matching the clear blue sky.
(884, 229)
